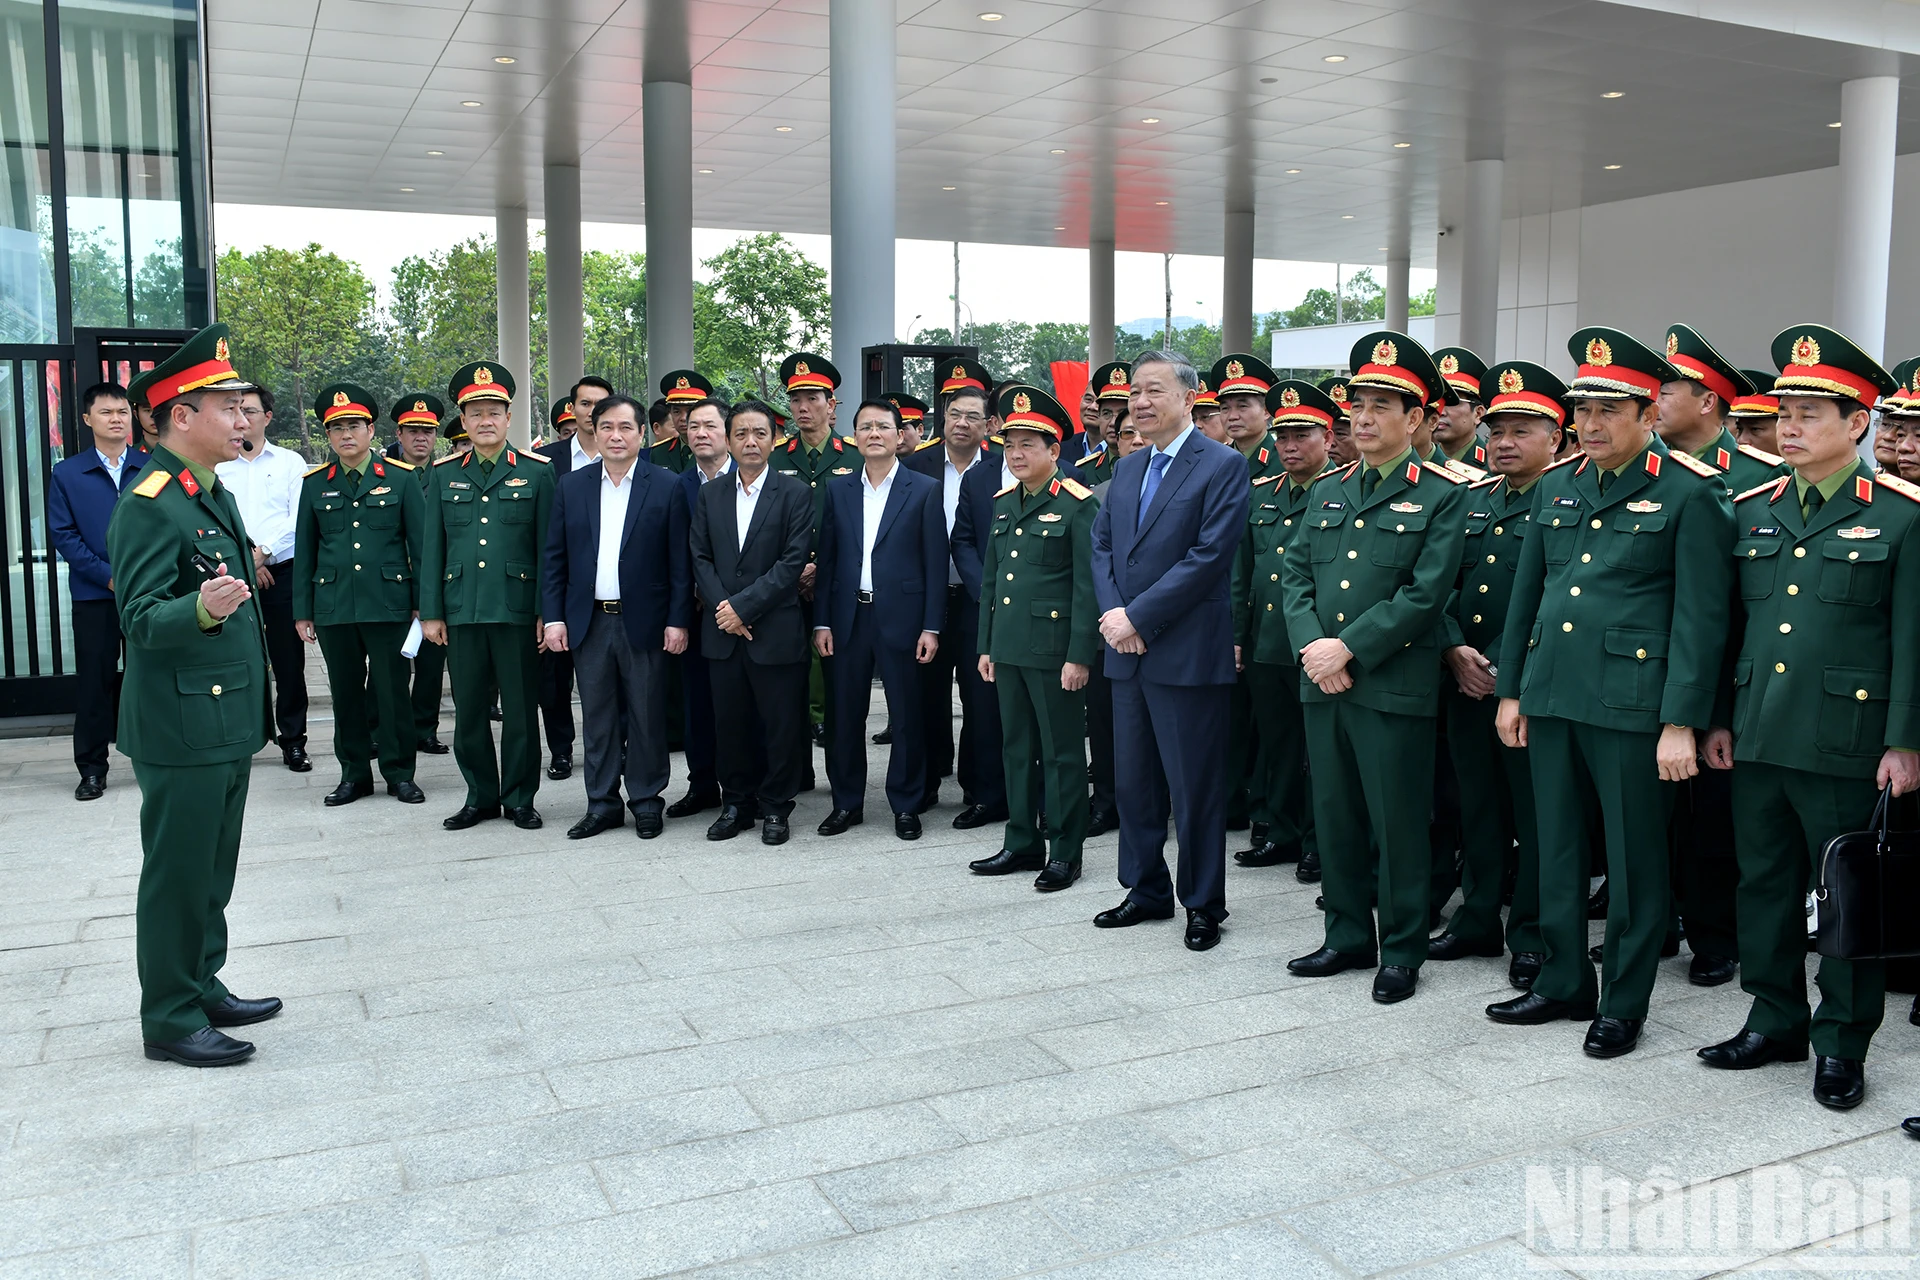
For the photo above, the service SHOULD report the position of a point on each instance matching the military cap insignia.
(516, 482)
(1857, 533)
(1235, 369)
(1118, 378)
(483, 377)
(1337, 393)
(959, 371)
(1673, 343)
(420, 406)
(1641, 508)
(800, 366)
(220, 349)
(1022, 402)
(340, 400)
(1049, 517)
(1599, 352)
(1449, 365)
(1806, 351)
(1384, 352)
(1511, 383)
(1289, 399)
(680, 383)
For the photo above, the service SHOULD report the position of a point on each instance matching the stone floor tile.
(1242, 1252)
(159, 1257)
(1004, 1240)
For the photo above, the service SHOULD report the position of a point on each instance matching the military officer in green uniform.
(413, 415)
(1825, 710)
(486, 532)
(682, 389)
(1457, 434)
(1525, 420)
(356, 560)
(816, 453)
(560, 420)
(1342, 453)
(1607, 674)
(1754, 418)
(1363, 591)
(1039, 638)
(1302, 429)
(913, 412)
(1112, 385)
(194, 708)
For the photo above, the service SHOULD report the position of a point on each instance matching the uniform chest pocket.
(330, 513)
(456, 506)
(380, 510)
(1557, 537)
(1853, 572)
(1853, 711)
(214, 708)
(1398, 539)
(1477, 524)
(1054, 552)
(1326, 530)
(1264, 515)
(1756, 562)
(516, 506)
(1638, 541)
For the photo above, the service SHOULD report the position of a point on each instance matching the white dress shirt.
(578, 459)
(266, 486)
(873, 505)
(746, 496)
(952, 476)
(114, 466)
(613, 524)
(726, 466)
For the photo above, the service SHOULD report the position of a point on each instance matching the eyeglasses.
(967, 419)
(256, 411)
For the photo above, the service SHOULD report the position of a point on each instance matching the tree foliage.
(765, 299)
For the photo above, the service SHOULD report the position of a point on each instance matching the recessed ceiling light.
(1613, 166)
(992, 17)
(783, 128)
(505, 61)
(1381, 249)
(409, 190)
(1058, 151)
(436, 153)
(1335, 57)
(469, 103)
(949, 188)
(1160, 202)
(703, 171)
(1614, 93)
(1401, 146)
(1293, 171)
(1346, 217)
(1269, 79)
(1149, 119)
(1835, 125)
(1059, 228)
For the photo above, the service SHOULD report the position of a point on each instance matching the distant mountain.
(1158, 324)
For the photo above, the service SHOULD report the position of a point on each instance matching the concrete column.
(861, 49)
(1869, 118)
(515, 316)
(1236, 287)
(566, 359)
(1480, 257)
(1398, 269)
(667, 118)
(1099, 303)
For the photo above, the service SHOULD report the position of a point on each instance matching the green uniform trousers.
(1620, 770)
(1781, 819)
(363, 656)
(1497, 827)
(429, 677)
(1282, 796)
(190, 823)
(1373, 770)
(484, 657)
(1041, 721)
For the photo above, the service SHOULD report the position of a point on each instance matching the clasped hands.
(1325, 662)
(1117, 630)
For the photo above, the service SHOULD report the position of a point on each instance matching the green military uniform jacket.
(834, 458)
(1827, 624)
(1744, 465)
(1264, 462)
(1098, 465)
(486, 538)
(1497, 523)
(672, 454)
(1037, 607)
(1376, 572)
(192, 695)
(1619, 610)
(358, 544)
(1276, 520)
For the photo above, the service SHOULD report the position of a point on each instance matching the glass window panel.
(29, 309)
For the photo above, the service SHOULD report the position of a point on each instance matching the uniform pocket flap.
(394, 572)
(1858, 683)
(211, 680)
(522, 571)
(1639, 521)
(1845, 550)
(453, 571)
(1049, 608)
(1742, 671)
(1402, 521)
(1264, 515)
(456, 495)
(1630, 642)
(325, 575)
(1745, 550)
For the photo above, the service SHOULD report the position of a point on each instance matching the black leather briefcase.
(1869, 893)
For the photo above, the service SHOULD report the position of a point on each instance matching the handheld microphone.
(247, 445)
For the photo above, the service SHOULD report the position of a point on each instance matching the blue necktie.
(1156, 468)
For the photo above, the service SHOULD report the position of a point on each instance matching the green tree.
(296, 316)
(159, 290)
(615, 285)
(765, 299)
(98, 274)
(1422, 304)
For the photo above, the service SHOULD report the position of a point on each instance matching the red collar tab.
(333, 471)
(511, 460)
(1722, 459)
(1263, 457)
(1479, 453)
(839, 445)
(1583, 465)
(1054, 488)
(793, 444)
(1653, 463)
(466, 457)
(380, 470)
(1863, 489)
(1780, 488)
(1413, 473)
(188, 483)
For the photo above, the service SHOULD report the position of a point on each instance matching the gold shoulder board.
(1899, 486)
(1485, 483)
(1761, 455)
(404, 466)
(1009, 489)
(311, 470)
(1267, 480)
(1755, 491)
(538, 457)
(441, 462)
(1444, 473)
(924, 444)
(152, 485)
(1694, 464)
(1074, 487)
(1575, 456)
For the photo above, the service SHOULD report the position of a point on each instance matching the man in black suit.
(706, 441)
(571, 452)
(880, 598)
(619, 596)
(752, 534)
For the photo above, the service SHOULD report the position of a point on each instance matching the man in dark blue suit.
(79, 504)
(882, 579)
(1163, 546)
(619, 596)
(706, 440)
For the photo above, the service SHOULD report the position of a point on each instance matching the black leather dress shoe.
(562, 767)
(774, 830)
(347, 793)
(839, 820)
(1102, 821)
(204, 1048)
(732, 821)
(235, 1012)
(1750, 1049)
(1394, 983)
(1839, 1084)
(1912, 1125)
(526, 817)
(1056, 876)
(407, 792)
(91, 787)
(648, 823)
(1257, 834)
(906, 826)
(593, 824)
(1711, 971)
(470, 816)
(1308, 872)
(1203, 932)
(1128, 914)
(1596, 952)
(433, 747)
(1268, 854)
(1598, 903)
(1451, 946)
(820, 735)
(884, 738)
(693, 802)
(1611, 1037)
(1523, 969)
(1326, 962)
(1006, 864)
(297, 758)
(977, 815)
(1536, 1010)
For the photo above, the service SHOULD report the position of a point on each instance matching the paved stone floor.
(505, 1054)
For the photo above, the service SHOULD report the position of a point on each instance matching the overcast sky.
(997, 282)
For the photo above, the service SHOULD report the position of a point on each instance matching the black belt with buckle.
(607, 606)
(864, 597)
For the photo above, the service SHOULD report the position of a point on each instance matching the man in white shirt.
(706, 439)
(265, 482)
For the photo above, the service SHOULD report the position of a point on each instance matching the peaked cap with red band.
(685, 386)
(341, 402)
(1614, 365)
(417, 410)
(1904, 399)
(805, 371)
(1694, 359)
(480, 380)
(1521, 386)
(202, 363)
(913, 410)
(1206, 396)
(1396, 362)
(1817, 361)
(562, 411)
(962, 374)
(1762, 403)
(1113, 381)
(1025, 408)
(1336, 389)
(1293, 403)
(1242, 375)
(1465, 373)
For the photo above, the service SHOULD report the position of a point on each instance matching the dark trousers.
(1496, 811)
(857, 654)
(1443, 831)
(764, 766)
(1170, 752)
(190, 826)
(363, 656)
(1043, 721)
(1285, 800)
(983, 779)
(556, 701)
(97, 646)
(485, 658)
(696, 696)
(288, 654)
(1100, 737)
(623, 701)
(1706, 874)
(429, 676)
